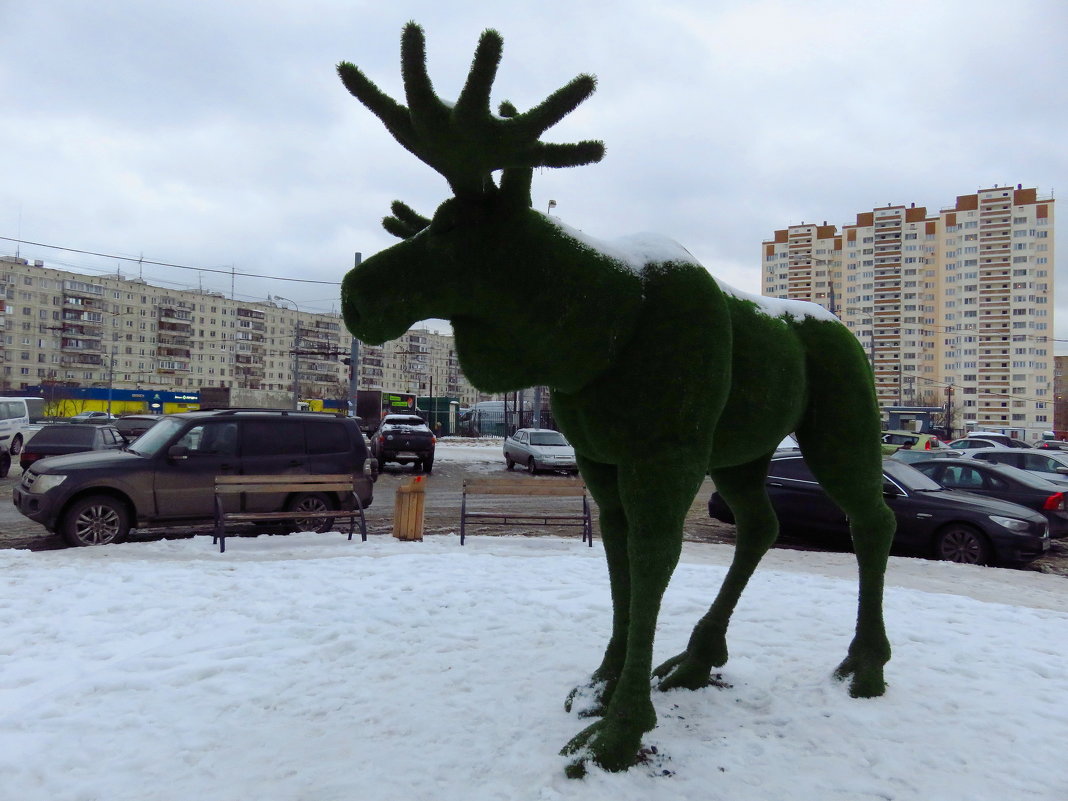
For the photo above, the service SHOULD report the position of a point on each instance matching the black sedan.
(947, 524)
(62, 438)
(1004, 483)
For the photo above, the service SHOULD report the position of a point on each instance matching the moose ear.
(404, 223)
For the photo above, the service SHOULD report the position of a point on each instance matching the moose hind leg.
(742, 488)
(852, 476)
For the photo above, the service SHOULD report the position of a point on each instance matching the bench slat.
(284, 477)
(232, 489)
(518, 515)
(237, 517)
(536, 487)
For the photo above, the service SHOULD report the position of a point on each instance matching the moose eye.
(445, 218)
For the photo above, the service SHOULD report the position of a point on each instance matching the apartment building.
(953, 305)
(62, 327)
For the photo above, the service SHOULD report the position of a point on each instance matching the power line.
(166, 264)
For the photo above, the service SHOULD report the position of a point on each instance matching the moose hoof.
(866, 677)
(607, 743)
(682, 672)
(588, 700)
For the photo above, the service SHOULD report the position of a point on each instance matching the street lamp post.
(296, 352)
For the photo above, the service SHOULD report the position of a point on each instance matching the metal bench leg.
(220, 526)
(463, 516)
(587, 525)
(363, 520)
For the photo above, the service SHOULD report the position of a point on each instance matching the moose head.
(477, 259)
(712, 378)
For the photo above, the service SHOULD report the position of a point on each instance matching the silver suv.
(167, 476)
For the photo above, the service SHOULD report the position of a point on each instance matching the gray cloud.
(217, 134)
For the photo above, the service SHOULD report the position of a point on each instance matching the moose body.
(540, 303)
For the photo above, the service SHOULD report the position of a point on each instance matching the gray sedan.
(539, 449)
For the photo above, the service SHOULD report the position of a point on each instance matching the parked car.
(946, 524)
(539, 449)
(404, 438)
(1004, 483)
(19, 417)
(986, 439)
(132, 426)
(167, 476)
(1051, 445)
(1050, 465)
(63, 438)
(91, 417)
(894, 440)
(908, 456)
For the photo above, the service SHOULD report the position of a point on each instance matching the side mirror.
(178, 452)
(890, 490)
(1063, 470)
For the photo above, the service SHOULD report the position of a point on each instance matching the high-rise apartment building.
(955, 305)
(58, 326)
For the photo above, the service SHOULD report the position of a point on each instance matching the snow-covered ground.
(310, 667)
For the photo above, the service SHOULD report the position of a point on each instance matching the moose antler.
(405, 222)
(464, 141)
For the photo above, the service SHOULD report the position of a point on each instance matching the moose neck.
(541, 308)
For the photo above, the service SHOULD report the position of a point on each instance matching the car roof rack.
(229, 410)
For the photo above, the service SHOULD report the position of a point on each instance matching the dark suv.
(404, 438)
(167, 476)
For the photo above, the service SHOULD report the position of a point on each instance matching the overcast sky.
(217, 134)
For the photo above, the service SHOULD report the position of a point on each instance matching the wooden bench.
(537, 487)
(342, 484)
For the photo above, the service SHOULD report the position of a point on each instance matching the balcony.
(175, 327)
(175, 314)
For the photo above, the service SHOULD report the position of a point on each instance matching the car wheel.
(312, 502)
(16, 445)
(95, 520)
(960, 543)
(428, 464)
(532, 466)
(508, 462)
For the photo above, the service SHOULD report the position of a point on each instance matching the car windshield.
(397, 420)
(909, 477)
(547, 438)
(149, 443)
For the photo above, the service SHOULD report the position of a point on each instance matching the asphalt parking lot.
(442, 511)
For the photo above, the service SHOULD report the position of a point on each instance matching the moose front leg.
(655, 503)
(591, 699)
(743, 489)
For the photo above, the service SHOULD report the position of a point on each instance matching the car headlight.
(1011, 523)
(47, 481)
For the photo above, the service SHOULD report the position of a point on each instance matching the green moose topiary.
(714, 378)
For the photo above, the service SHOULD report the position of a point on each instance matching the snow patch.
(636, 251)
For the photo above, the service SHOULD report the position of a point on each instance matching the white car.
(986, 439)
(1050, 465)
(539, 449)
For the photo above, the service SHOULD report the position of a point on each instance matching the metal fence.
(501, 423)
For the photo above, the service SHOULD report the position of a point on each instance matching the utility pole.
(296, 352)
(949, 411)
(354, 360)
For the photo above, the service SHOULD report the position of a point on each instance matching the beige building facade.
(58, 326)
(955, 305)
